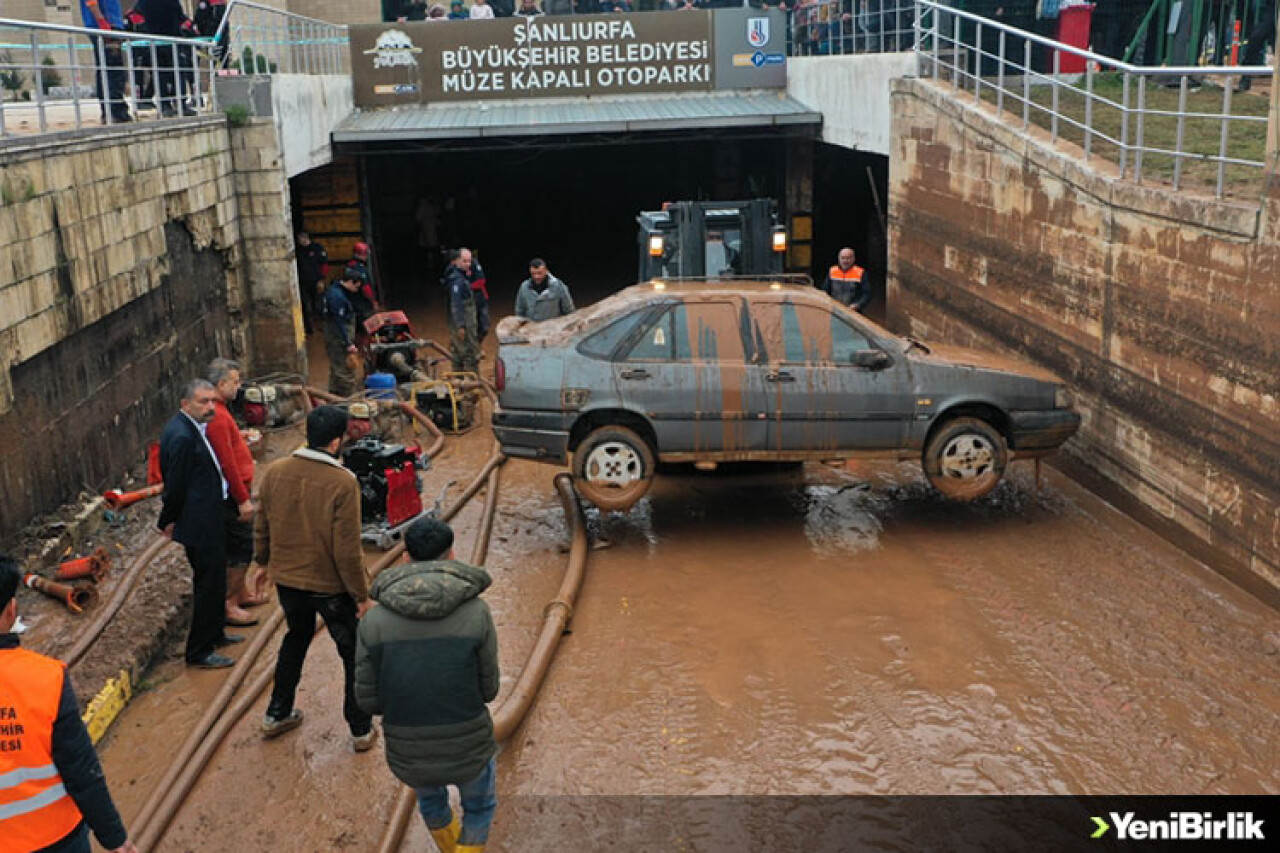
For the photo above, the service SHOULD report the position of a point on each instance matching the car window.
(705, 331)
(799, 334)
(845, 341)
(601, 344)
(655, 343)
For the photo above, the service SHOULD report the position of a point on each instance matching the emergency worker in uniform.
(365, 299)
(340, 332)
(847, 282)
(52, 789)
(464, 343)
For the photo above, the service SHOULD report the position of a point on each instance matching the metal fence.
(257, 39)
(55, 77)
(1181, 125)
(838, 27)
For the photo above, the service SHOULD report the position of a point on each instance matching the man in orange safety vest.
(847, 282)
(52, 791)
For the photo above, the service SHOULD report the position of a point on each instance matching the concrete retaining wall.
(1162, 311)
(852, 93)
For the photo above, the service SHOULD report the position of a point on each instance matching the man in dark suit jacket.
(194, 515)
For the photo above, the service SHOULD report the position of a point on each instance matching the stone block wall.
(274, 309)
(127, 262)
(1161, 310)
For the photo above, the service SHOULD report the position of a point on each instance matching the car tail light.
(500, 375)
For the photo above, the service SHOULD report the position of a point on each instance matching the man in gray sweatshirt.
(427, 661)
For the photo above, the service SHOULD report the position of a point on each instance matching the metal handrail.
(179, 69)
(260, 39)
(973, 54)
(845, 27)
(123, 66)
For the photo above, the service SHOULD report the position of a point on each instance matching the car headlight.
(1062, 397)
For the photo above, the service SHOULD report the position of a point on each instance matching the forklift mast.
(710, 239)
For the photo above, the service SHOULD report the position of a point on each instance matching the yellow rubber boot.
(446, 837)
(469, 848)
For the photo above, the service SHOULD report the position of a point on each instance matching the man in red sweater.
(237, 465)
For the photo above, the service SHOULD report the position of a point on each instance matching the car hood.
(946, 354)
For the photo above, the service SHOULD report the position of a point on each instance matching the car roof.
(798, 285)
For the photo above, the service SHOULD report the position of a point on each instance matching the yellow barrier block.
(107, 705)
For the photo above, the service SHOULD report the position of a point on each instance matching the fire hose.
(163, 804)
(508, 716)
(159, 809)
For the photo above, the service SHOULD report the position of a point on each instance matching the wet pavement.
(803, 630)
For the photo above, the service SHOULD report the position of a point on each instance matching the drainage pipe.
(123, 589)
(76, 598)
(234, 679)
(150, 835)
(184, 777)
(555, 617)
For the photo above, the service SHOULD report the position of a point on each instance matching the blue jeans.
(479, 799)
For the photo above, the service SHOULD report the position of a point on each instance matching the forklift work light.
(655, 245)
(779, 239)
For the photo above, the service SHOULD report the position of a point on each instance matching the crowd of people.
(341, 307)
(421, 10)
(426, 661)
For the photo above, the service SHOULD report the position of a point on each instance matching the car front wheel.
(965, 458)
(613, 467)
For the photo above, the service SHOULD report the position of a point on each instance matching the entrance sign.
(564, 56)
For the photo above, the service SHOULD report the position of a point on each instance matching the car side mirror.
(871, 359)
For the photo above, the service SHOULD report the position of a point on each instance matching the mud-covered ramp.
(811, 630)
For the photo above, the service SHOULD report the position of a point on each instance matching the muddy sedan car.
(711, 372)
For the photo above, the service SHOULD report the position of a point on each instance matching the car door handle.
(780, 376)
(635, 374)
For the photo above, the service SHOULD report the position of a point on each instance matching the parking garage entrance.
(564, 177)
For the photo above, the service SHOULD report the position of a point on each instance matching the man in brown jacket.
(307, 534)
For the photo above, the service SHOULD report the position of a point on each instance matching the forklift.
(711, 239)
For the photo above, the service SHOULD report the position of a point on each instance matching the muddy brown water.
(764, 631)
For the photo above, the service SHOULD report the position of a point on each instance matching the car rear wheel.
(965, 458)
(613, 467)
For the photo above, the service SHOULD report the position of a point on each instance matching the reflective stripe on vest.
(35, 810)
(854, 273)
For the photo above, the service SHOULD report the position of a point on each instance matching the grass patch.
(1201, 137)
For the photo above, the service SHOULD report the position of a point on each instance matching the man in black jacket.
(52, 790)
(427, 661)
(167, 18)
(194, 514)
(313, 268)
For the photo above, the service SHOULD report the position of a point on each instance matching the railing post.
(1000, 75)
(1182, 121)
(1057, 66)
(73, 71)
(100, 52)
(977, 64)
(1124, 123)
(955, 55)
(937, 33)
(1138, 142)
(38, 78)
(1026, 84)
(1088, 109)
(1222, 145)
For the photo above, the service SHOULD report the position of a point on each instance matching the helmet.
(360, 250)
